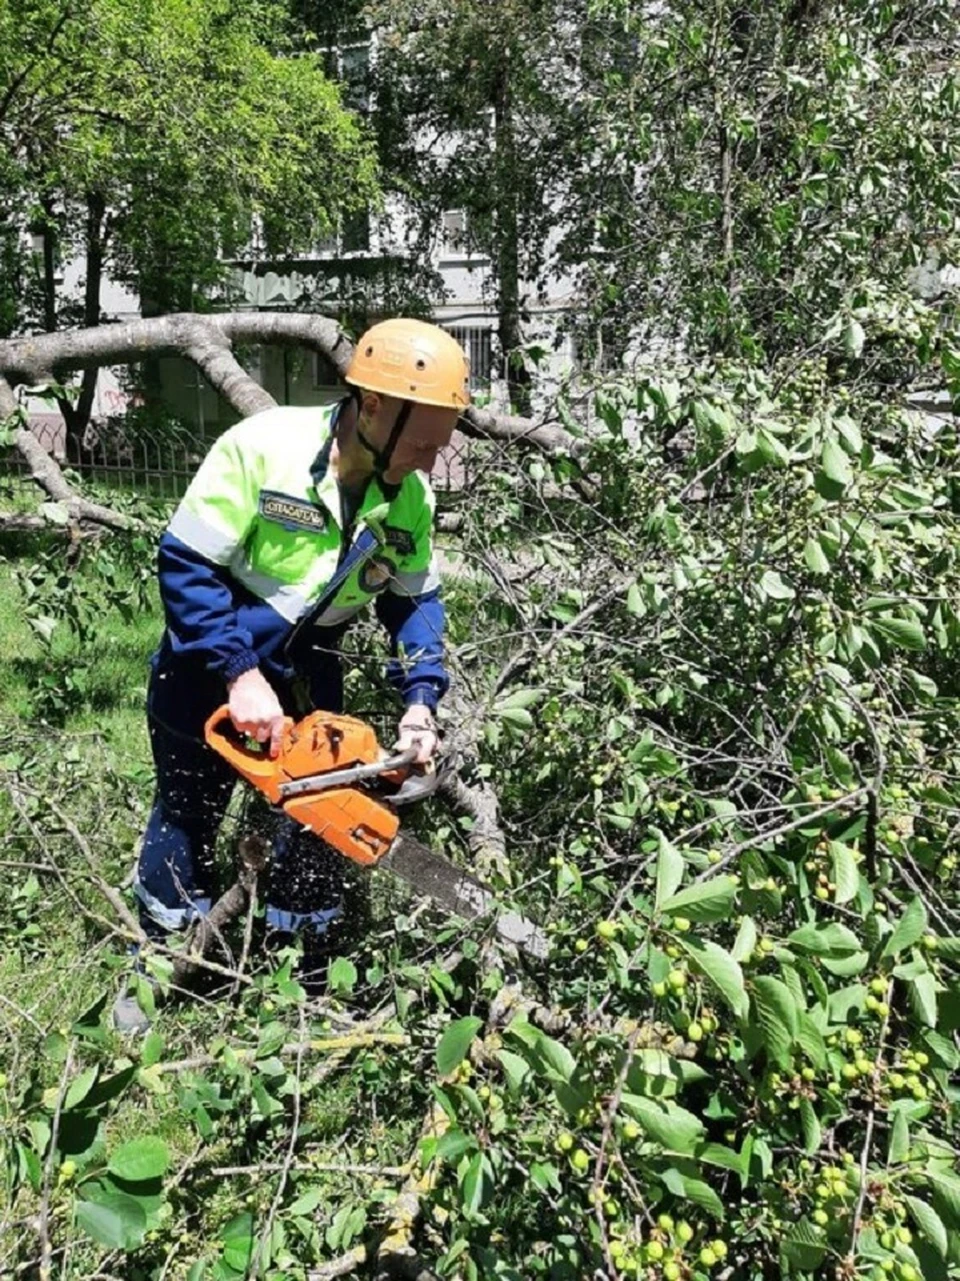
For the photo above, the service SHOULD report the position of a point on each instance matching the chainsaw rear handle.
(246, 760)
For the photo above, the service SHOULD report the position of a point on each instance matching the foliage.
(718, 703)
(155, 137)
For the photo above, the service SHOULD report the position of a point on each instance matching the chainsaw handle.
(250, 763)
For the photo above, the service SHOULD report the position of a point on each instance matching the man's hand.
(418, 729)
(255, 709)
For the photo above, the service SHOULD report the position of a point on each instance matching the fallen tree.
(208, 342)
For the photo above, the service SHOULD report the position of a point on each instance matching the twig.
(43, 1218)
(265, 1235)
(773, 833)
(341, 1267)
(305, 1167)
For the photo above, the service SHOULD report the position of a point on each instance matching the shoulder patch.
(292, 513)
(400, 539)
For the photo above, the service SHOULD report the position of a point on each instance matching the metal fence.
(129, 456)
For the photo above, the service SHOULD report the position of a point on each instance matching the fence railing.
(160, 463)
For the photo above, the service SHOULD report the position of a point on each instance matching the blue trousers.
(175, 873)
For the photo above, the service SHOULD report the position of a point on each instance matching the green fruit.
(821, 1217)
(684, 1232)
(707, 1257)
(671, 1270)
(631, 1131)
(564, 1142)
(665, 1223)
(581, 945)
(930, 942)
(655, 1251)
(878, 986)
(719, 1247)
(682, 924)
(822, 1191)
(677, 980)
(904, 1236)
(908, 1272)
(607, 929)
(659, 989)
(68, 1169)
(695, 1032)
(580, 1160)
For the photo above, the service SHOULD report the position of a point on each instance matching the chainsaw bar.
(456, 891)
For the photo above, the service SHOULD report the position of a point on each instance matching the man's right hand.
(255, 709)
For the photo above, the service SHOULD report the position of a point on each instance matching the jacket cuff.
(237, 664)
(423, 694)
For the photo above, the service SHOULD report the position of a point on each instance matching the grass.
(74, 757)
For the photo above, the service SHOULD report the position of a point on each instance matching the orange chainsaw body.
(358, 824)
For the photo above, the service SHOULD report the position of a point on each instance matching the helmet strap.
(382, 457)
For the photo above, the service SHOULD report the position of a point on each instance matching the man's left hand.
(418, 729)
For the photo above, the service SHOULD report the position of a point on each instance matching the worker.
(296, 519)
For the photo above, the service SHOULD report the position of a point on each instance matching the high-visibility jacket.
(253, 546)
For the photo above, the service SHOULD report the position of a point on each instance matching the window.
(453, 233)
(351, 237)
(476, 342)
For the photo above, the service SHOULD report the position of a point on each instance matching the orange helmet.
(413, 361)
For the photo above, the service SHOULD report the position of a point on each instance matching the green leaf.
(118, 1222)
(342, 975)
(853, 338)
(670, 867)
(814, 557)
(238, 1242)
(515, 1069)
(812, 1134)
(746, 939)
(55, 513)
(835, 464)
(775, 1013)
(834, 940)
(810, 1039)
(802, 1246)
(472, 1187)
(673, 1127)
(79, 1088)
(911, 927)
(695, 1190)
(773, 586)
(930, 1224)
(922, 994)
(635, 601)
(906, 633)
(706, 901)
(520, 698)
(152, 1050)
(899, 1149)
(140, 1159)
(946, 1195)
(515, 716)
(721, 969)
(452, 1145)
(455, 1042)
(846, 873)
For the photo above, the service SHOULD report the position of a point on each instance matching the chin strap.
(382, 457)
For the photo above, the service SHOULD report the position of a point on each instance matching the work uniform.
(264, 564)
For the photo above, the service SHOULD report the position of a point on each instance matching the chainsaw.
(332, 777)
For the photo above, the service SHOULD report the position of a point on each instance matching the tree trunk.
(76, 413)
(515, 372)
